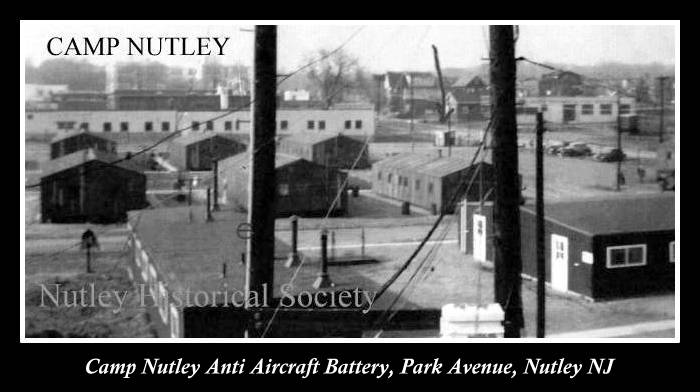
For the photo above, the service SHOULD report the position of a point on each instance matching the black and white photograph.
(333, 181)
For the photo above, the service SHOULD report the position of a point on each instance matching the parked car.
(610, 155)
(575, 150)
(554, 147)
(666, 179)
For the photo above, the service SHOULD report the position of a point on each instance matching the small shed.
(304, 188)
(598, 248)
(430, 181)
(85, 186)
(197, 151)
(70, 142)
(329, 149)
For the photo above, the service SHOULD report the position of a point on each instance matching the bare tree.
(332, 75)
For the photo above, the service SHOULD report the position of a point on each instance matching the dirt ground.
(53, 257)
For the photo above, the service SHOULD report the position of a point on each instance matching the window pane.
(617, 257)
(635, 255)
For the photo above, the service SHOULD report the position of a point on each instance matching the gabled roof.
(68, 135)
(194, 137)
(243, 160)
(470, 81)
(444, 166)
(431, 165)
(637, 213)
(312, 138)
(84, 156)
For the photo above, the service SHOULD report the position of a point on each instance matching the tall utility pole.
(662, 79)
(541, 274)
(262, 183)
(618, 174)
(412, 112)
(506, 208)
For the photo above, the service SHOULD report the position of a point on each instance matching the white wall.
(297, 120)
(555, 109)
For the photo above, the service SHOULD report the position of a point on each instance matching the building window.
(379, 175)
(284, 124)
(417, 184)
(430, 187)
(388, 178)
(65, 124)
(626, 256)
(672, 251)
(321, 125)
(625, 109)
(358, 124)
(606, 108)
(165, 126)
(587, 109)
(107, 127)
(124, 126)
(309, 125)
(210, 126)
(348, 124)
(148, 126)
(238, 125)
(228, 125)
(195, 125)
(85, 126)
(30, 116)
(283, 189)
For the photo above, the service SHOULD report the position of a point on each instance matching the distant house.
(84, 186)
(428, 181)
(561, 84)
(197, 151)
(393, 84)
(421, 93)
(304, 188)
(469, 99)
(329, 149)
(70, 142)
(602, 248)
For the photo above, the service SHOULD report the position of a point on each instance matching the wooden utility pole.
(662, 79)
(506, 209)
(216, 184)
(541, 274)
(618, 174)
(262, 183)
(412, 112)
(443, 109)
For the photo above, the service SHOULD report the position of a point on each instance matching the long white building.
(575, 110)
(351, 121)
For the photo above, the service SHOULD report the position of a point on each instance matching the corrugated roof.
(638, 213)
(83, 156)
(432, 165)
(243, 159)
(314, 137)
(405, 161)
(67, 135)
(443, 166)
(194, 137)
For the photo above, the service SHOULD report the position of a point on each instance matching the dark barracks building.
(329, 149)
(85, 186)
(70, 142)
(602, 248)
(429, 181)
(303, 188)
(197, 151)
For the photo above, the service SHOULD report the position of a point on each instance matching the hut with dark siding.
(329, 149)
(197, 151)
(68, 143)
(600, 248)
(86, 187)
(303, 188)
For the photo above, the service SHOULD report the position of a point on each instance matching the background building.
(303, 188)
(333, 150)
(68, 143)
(198, 151)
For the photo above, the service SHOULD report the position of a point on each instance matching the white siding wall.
(555, 109)
(297, 120)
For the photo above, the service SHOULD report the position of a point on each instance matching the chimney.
(223, 97)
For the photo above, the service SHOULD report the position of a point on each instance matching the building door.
(560, 262)
(479, 237)
(569, 113)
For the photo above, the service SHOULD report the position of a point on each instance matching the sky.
(379, 46)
